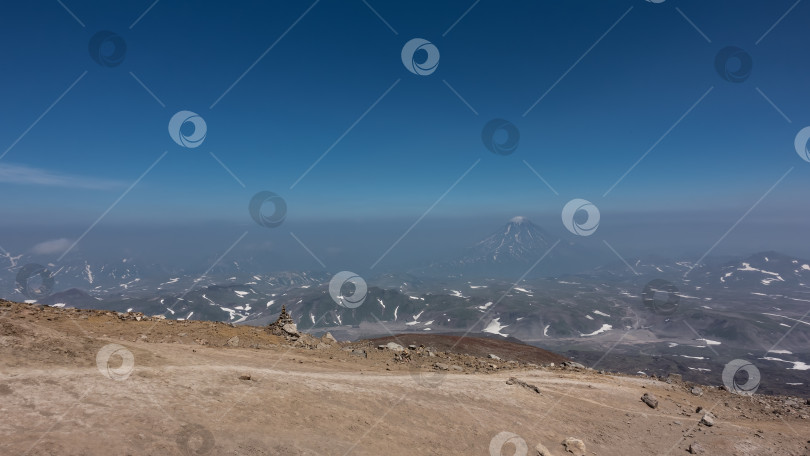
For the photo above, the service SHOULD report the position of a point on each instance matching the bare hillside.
(79, 382)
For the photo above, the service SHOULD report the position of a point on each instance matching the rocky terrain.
(78, 382)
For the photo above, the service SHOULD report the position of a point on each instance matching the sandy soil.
(173, 389)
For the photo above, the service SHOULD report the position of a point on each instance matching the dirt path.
(175, 399)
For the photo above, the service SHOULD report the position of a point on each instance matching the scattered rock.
(394, 347)
(244, 377)
(572, 365)
(233, 341)
(708, 419)
(329, 338)
(495, 357)
(696, 391)
(441, 366)
(696, 448)
(529, 386)
(360, 353)
(542, 450)
(574, 446)
(650, 400)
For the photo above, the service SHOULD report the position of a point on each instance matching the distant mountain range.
(726, 308)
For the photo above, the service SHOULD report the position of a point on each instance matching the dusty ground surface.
(173, 389)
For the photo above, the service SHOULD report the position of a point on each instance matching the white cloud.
(52, 246)
(26, 175)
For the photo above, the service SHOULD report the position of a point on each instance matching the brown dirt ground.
(184, 395)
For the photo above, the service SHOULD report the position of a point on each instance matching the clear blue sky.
(420, 138)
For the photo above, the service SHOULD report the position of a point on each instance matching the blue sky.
(340, 57)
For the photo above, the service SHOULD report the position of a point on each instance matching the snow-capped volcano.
(513, 250)
(518, 240)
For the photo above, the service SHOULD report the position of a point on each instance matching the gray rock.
(542, 450)
(329, 338)
(441, 366)
(394, 347)
(650, 400)
(696, 448)
(696, 391)
(360, 353)
(708, 419)
(233, 341)
(574, 446)
(291, 329)
(495, 357)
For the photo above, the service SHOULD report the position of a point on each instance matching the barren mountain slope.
(180, 392)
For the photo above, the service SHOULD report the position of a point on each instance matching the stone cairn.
(284, 326)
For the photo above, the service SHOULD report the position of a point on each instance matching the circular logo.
(736, 369)
(32, 270)
(279, 209)
(121, 372)
(431, 61)
(426, 378)
(667, 307)
(733, 64)
(586, 227)
(801, 143)
(505, 146)
(194, 138)
(356, 297)
(107, 48)
(497, 443)
(194, 439)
